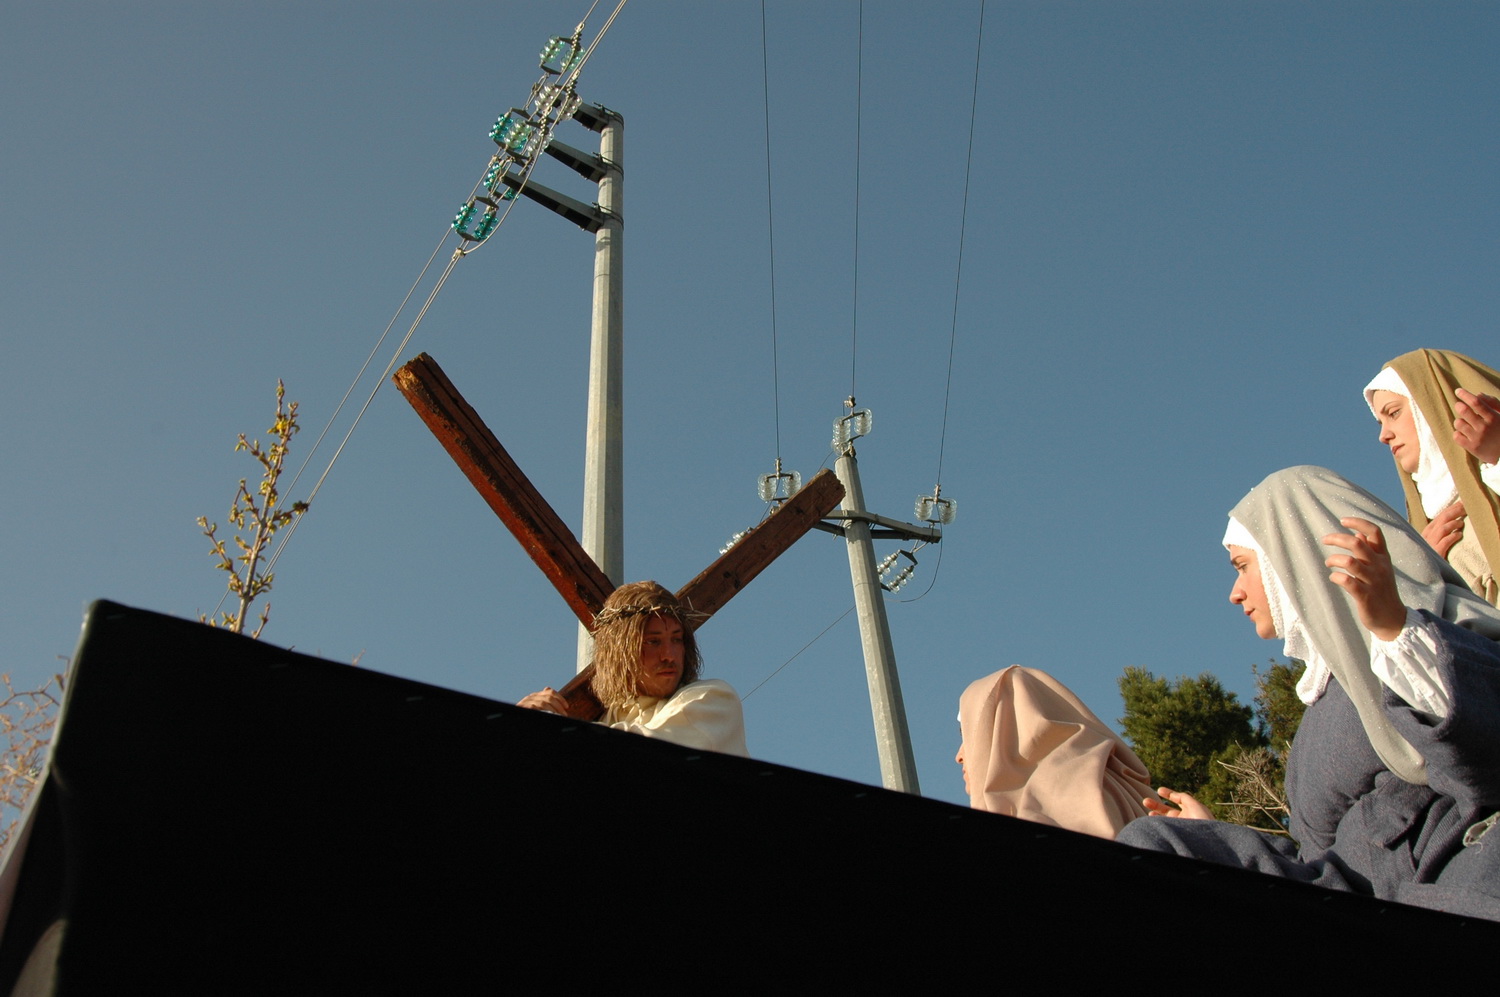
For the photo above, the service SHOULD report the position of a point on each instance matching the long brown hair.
(620, 630)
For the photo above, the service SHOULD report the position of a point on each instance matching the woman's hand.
(1446, 529)
(548, 699)
(1367, 575)
(1476, 425)
(1187, 806)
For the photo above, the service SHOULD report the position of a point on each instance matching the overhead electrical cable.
(366, 365)
(962, 230)
(957, 283)
(859, 111)
(327, 426)
(765, 78)
(395, 358)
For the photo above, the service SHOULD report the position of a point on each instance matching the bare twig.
(26, 722)
(1257, 800)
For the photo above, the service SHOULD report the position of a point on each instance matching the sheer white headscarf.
(1286, 517)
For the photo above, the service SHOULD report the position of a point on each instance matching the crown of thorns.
(606, 617)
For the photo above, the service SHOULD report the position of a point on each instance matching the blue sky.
(1194, 231)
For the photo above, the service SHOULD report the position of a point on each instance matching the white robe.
(705, 714)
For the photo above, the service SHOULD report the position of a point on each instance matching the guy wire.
(804, 647)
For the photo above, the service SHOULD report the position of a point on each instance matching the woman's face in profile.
(1249, 592)
(1398, 428)
(960, 759)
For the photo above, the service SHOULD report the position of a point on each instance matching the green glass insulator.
(521, 140)
(504, 128)
(549, 60)
(559, 55)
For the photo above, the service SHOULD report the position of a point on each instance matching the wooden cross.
(549, 542)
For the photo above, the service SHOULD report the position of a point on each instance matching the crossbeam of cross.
(554, 548)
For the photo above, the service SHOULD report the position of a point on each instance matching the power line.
(765, 77)
(962, 230)
(859, 111)
(521, 135)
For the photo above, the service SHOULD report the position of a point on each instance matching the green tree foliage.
(1195, 736)
(1277, 706)
(256, 518)
(1179, 728)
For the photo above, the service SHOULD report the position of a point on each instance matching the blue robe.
(1359, 827)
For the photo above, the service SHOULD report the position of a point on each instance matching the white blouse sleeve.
(1407, 666)
(1490, 475)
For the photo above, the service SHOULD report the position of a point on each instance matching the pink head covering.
(1033, 750)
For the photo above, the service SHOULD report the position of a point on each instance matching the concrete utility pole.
(604, 460)
(898, 767)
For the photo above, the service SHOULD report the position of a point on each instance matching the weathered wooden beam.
(554, 548)
(579, 692)
(494, 474)
(721, 581)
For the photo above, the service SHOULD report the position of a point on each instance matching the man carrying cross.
(646, 666)
(655, 689)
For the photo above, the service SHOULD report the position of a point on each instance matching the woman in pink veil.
(1031, 749)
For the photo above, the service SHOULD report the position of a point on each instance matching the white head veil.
(1433, 479)
(1285, 618)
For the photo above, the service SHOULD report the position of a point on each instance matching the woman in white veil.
(1394, 775)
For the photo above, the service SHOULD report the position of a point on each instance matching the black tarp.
(224, 816)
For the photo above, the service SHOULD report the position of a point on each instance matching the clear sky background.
(1194, 231)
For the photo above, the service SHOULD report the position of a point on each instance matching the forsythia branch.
(256, 517)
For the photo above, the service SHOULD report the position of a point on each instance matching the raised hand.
(1446, 529)
(1476, 425)
(1365, 572)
